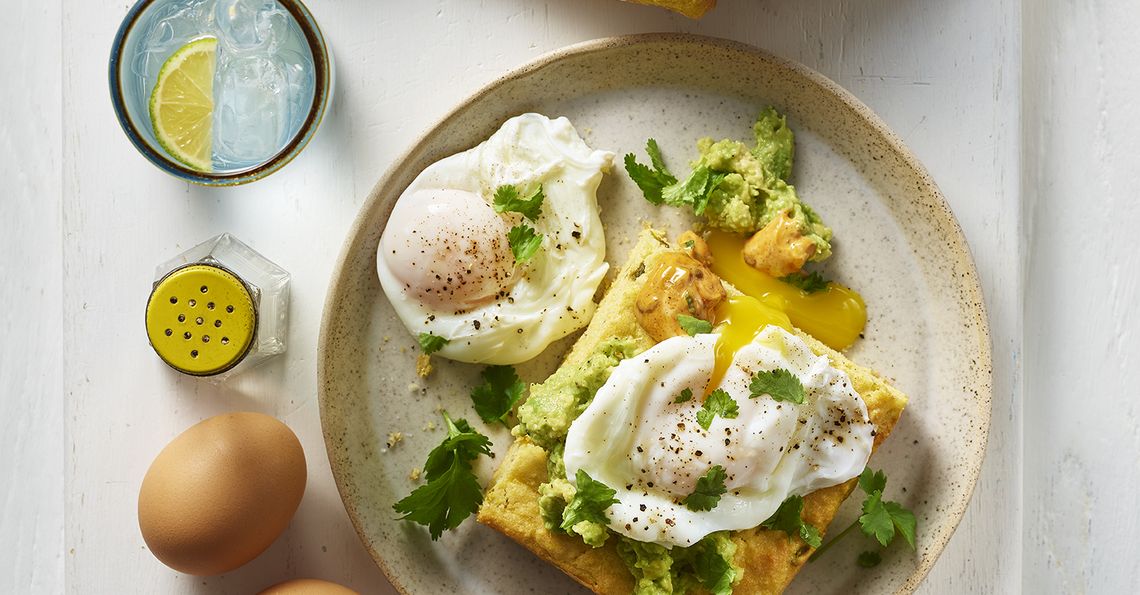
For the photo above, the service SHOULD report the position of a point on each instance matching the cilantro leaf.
(868, 559)
(810, 535)
(787, 519)
(903, 520)
(695, 191)
(780, 384)
(497, 396)
(882, 520)
(660, 186)
(713, 571)
(524, 242)
(685, 396)
(694, 325)
(651, 181)
(876, 521)
(452, 492)
(718, 403)
(710, 487)
(430, 343)
(655, 158)
(590, 501)
(872, 481)
(507, 200)
(808, 282)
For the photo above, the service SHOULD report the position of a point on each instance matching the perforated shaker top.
(201, 319)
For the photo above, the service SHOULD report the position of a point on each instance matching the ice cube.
(299, 76)
(249, 24)
(251, 109)
(273, 26)
(164, 29)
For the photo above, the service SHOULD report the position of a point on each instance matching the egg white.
(539, 301)
(635, 437)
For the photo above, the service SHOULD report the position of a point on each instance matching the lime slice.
(182, 104)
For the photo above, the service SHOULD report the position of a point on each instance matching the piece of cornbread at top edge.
(694, 9)
(769, 558)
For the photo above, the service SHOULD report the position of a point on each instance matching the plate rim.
(970, 281)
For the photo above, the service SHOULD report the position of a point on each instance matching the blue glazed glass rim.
(322, 93)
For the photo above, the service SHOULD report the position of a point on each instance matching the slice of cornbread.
(694, 9)
(770, 558)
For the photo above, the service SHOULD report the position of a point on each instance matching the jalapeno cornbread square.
(769, 558)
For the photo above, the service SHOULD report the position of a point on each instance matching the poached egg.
(637, 438)
(445, 263)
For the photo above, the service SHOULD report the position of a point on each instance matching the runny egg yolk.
(836, 315)
(739, 319)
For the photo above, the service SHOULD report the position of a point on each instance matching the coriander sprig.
(589, 504)
(508, 200)
(789, 519)
(659, 186)
(452, 491)
(881, 520)
(719, 402)
(524, 242)
(496, 397)
(710, 487)
(780, 384)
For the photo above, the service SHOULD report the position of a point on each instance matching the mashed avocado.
(554, 404)
(755, 187)
(775, 144)
(546, 417)
(661, 571)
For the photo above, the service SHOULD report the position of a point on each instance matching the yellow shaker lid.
(201, 319)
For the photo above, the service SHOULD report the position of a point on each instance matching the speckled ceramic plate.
(897, 243)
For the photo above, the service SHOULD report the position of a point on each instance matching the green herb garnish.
(685, 396)
(694, 325)
(713, 571)
(651, 181)
(659, 186)
(497, 395)
(452, 492)
(430, 343)
(808, 282)
(780, 384)
(710, 487)
(695, 191)
(524, 242)
(788, 519)
(507, 200)
(589, 504)
(718, 403)
(881, 520)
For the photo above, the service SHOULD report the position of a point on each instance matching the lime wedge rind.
(182, 104)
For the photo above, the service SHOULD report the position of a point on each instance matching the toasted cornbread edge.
(694, 9)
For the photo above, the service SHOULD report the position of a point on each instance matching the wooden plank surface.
(31, 276)
(1082, 316)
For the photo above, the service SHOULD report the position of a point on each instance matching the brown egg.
(221, 492)
(307, 586)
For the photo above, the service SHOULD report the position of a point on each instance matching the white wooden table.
(85, 404)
